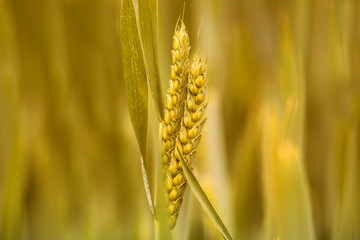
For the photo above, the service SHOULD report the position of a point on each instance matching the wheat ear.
(174, 112)
(189, 136)
(194, 114)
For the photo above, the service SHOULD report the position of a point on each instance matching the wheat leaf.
(148, 14)
(203, 199)
(134, 74)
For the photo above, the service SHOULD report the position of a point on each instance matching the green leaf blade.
(134, 75)
(203, 199)
(148, 14)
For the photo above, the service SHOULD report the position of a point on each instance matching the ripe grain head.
(174, 112)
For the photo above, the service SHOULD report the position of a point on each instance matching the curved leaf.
(148, 14)
(203, 199)
(134, 74)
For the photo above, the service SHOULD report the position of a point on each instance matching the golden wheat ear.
(177, 92)
(175, 102)
(189, 136)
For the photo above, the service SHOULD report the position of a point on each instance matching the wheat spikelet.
(174, 112)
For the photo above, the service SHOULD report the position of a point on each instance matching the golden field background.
(280, 153)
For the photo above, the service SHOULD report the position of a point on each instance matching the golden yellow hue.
(174, 112)
(279, 153)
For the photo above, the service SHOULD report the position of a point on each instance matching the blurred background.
(280, 153)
